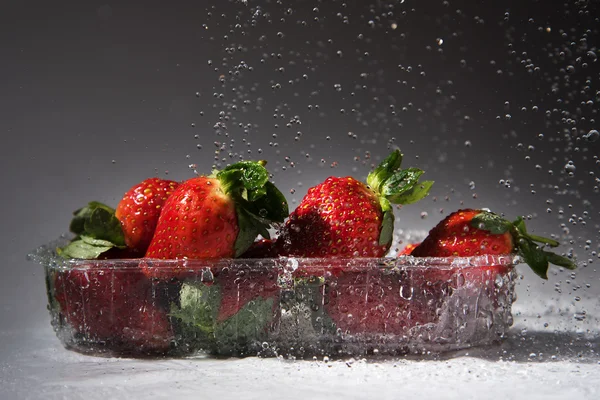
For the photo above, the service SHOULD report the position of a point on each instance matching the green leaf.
(86, 248)
(96, 242)
(103, 224)
(387, 228)
(545, 240)
(197, 314)
(253, 174)
(248, 325)
(271, 207)
(520, 225)
(384, 170)
(401, 181)
(231, 181)
(81, 215)
(198, 306)
(418, 192)
(97, 229)
(491, 222)
(255, 194)
(534, 257)
(247, 231)
(258, 202)
(560, 260)
(260, 224)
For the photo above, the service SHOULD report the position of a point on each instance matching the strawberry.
(240, 286)
(407, 249)
(382, 303)
(343, 217)
(139, 209)
(216, 216)
(361, 297)
(477, 232)
(113, 305)
(263, 248)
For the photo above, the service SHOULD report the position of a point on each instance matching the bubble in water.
(570, 167)
(592, 136)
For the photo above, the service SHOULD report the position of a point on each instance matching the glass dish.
(288, 307)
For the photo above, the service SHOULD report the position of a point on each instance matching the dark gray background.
(98, 95)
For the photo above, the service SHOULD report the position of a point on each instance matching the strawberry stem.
(258, 202)
(524, 243)
(395, 186)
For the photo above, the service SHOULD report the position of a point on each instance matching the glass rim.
(47, 256)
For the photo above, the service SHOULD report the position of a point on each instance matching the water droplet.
(592, 136)
(406, 291)
(570, 167)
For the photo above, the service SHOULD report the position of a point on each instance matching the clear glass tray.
(289, 307)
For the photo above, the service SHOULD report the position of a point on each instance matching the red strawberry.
(216, 216)
(361, 297)
(139, 209)
(113, 305)
(456, 236)
(373, 302)
(263, 248)
(373, 299)
(407, 250)
(343, 217)
(242, 286)
(478, 232)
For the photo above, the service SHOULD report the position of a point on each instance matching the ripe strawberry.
(139, 209)
(343, 217)
(242, 286)
(477, 232)
(113, 305)
(263, 248)
(359, 297)
(407, 249)
(382, 303)
(216, 216)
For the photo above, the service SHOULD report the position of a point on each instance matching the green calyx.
(197, 313)
(258, 201)
(526, 244)
(395, 186)
(97, 230)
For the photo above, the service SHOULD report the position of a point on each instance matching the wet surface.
(35, 365)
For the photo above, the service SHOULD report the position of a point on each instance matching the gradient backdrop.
(498, 102)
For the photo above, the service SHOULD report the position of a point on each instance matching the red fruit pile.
(113, 307)
(205, 217)
(221, 216)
